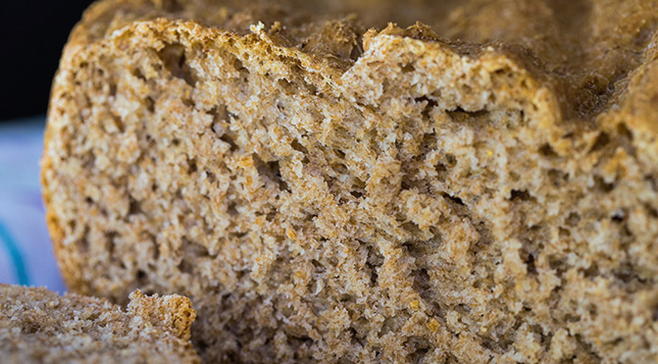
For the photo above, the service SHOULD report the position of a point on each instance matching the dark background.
(32, 35)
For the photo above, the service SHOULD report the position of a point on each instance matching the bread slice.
(327, 193)
(40, 326)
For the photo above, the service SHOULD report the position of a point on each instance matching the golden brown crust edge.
(67, 269)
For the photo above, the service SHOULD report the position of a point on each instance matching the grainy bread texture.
(40, 326)
(482, 188)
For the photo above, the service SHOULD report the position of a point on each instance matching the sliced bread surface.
(481, 188)
(40, 326)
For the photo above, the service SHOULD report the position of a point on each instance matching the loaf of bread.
(40, 326)
(327, 186)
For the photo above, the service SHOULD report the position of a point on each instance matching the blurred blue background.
(32, 34)
(26, 255)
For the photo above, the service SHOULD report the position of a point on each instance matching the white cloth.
(26, 255)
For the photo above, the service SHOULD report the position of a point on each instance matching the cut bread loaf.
(40, 326)
(327, 193)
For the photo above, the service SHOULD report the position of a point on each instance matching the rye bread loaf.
(483, 188)
(40, 326)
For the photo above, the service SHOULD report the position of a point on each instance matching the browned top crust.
(596, 56)
(38, 325)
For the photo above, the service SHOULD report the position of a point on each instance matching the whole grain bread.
(40, 326)
(327, 186)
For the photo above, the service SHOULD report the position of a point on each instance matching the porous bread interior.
(39, 326)
(413, 208)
